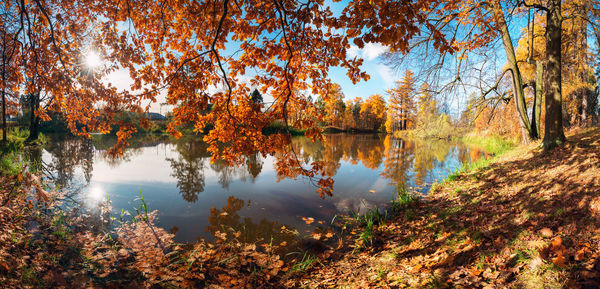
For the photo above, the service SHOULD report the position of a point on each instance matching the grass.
(308, 261)
(494, 145)
(278, 127)
(10, 160)
(375, 218)
(365, 239)
(540, 275)
(10, 164)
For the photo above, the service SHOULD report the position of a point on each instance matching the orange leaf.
(476, 272)
(556, 243)
(580, 255)
(560, 261)
(5, 266)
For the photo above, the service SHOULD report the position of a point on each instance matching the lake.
(195, 198)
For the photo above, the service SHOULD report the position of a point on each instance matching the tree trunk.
(553, 130)
(584, 107)
(34, 124)
(3, 114)
(582, 77)
(518, 92)
(4, 64)
(537, 100)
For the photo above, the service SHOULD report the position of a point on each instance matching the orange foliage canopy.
(203, 53)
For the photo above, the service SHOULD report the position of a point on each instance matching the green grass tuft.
(494, 145)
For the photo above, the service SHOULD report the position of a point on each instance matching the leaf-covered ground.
(531, 219)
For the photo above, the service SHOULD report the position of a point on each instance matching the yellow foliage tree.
(372, 112)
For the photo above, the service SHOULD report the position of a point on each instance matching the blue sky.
(382, 76)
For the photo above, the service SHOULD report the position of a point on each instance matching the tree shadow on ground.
(512, 214)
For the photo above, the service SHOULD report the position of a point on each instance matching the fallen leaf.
(5, 266)
(308, 221)
(546, 232)
(580, 255)
(557, 243)
(560, 261)
(476, 272)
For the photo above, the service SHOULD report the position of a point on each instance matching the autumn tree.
(8, 50)
(351, 116)
(373, 112)
(473, 28)
(401, 104)
(53, 42)
(426, 106)
(578, 84)
(334, 107)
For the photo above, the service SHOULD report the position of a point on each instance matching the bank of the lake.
(527, 219)
(524, 219)
(248, 211)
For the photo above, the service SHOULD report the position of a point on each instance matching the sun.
(93, 60)
(96, 194)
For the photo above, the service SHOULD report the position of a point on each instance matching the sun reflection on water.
(95, 196)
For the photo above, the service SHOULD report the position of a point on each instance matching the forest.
(300, 144)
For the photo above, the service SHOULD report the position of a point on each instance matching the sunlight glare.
(96, 194)
(93, 60)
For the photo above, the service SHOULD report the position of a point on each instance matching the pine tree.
(401, 110)
(256, 97)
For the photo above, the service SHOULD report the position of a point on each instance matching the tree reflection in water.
(68, 154)
(188, 168)
(192, 160)
(402, 160)
(227, 220)
(386, 162)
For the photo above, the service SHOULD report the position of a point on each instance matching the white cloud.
(387, 74)
(373, 50)
(353, 51)
(119, 79)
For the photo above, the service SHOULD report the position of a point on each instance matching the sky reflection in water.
(199, 198)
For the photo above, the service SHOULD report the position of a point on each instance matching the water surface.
(196, 198)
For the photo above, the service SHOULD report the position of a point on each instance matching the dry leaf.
(560, 261)
(546, 232)
(557, 243)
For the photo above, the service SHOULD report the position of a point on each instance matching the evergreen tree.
(256, 97)
(401, 107)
